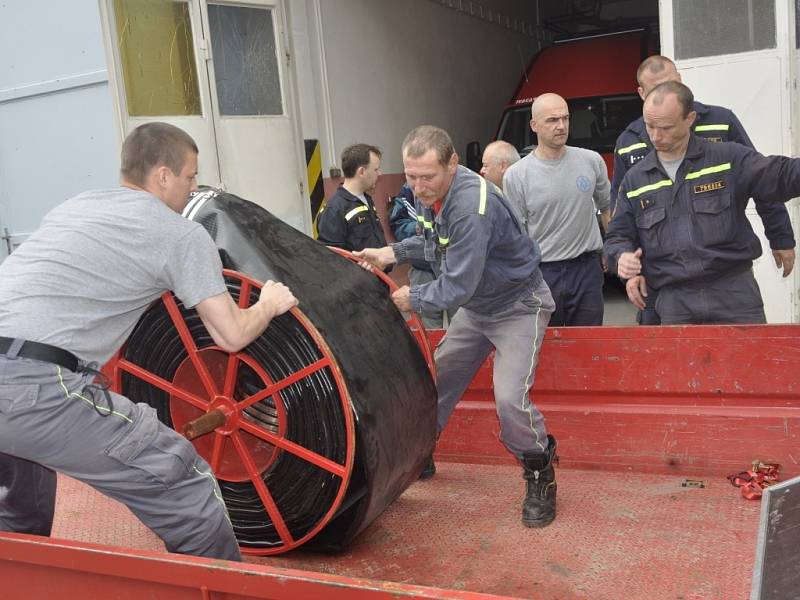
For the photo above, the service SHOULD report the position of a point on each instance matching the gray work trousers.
(47, 418)
(516, 333)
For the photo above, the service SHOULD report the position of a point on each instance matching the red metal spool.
(241, 449)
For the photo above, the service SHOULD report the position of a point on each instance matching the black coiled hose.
(366, 412)
(313, 415)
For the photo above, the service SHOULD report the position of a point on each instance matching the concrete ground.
(618, 309)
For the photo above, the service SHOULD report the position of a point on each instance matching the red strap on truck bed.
(752, 482)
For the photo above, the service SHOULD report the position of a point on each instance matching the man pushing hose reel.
(70, 296)
(490, 269)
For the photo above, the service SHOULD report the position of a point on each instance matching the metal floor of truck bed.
(617, 536)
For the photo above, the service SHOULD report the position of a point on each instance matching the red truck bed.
(637, 413)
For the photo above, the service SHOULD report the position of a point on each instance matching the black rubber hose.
(390, 390)
(313, 413)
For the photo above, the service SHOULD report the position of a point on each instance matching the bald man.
(558, 190)
(497, 157)
(715, 124)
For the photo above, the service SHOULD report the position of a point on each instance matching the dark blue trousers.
(731, 298)
(577, 288)
(27, 495)
(649, 316)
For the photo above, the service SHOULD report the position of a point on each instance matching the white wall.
(366, 71)
(58, 133)
(391, 66)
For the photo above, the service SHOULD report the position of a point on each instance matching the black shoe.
(539, 506)
(429, 470)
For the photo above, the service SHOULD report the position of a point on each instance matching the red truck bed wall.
(30, 567)
(689, 400)
(678, 400)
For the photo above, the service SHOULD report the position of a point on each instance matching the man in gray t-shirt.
(558, 190)
(69, 297)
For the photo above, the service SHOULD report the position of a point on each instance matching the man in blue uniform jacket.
(680, 216)
(349, 219)
(490, 269)
(716, 124)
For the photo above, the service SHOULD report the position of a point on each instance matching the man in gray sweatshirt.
(70, 296)
(558, 190)
(489, 267)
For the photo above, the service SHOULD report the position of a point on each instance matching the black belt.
(42, 352)
(591, 254)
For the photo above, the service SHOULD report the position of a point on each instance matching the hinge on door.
(288, 57)
(202, 45)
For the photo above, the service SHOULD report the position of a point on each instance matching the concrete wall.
(58, 134)
(381, 68)
(366, 71)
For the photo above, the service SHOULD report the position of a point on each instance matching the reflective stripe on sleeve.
(708, 171)
(648, 188)
(631, 148)
(713, 127)
(482, 205)
(355, 211)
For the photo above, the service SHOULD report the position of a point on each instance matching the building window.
(156, 50)
(713, 27)
(245, 60)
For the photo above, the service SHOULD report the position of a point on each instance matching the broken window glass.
(245, 60)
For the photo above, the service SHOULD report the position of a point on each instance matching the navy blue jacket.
(717, 124)
(485, 259)
(346, 222)
(403, 221)
(695, 227)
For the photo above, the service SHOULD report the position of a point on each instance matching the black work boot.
(429, 470)
(539, 506)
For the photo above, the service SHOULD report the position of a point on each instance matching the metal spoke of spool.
(242, 434)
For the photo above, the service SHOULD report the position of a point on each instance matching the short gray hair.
(503, 151)
(428, 137)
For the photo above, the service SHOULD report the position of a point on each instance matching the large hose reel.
(320, 423)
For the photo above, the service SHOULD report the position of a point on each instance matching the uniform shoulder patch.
(634, 158)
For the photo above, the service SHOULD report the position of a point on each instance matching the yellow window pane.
(156, 49)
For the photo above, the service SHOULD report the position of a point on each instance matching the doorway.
(221, 72)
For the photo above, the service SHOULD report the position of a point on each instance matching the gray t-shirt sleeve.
(193, 269)
(602, 187)
(515, 194)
